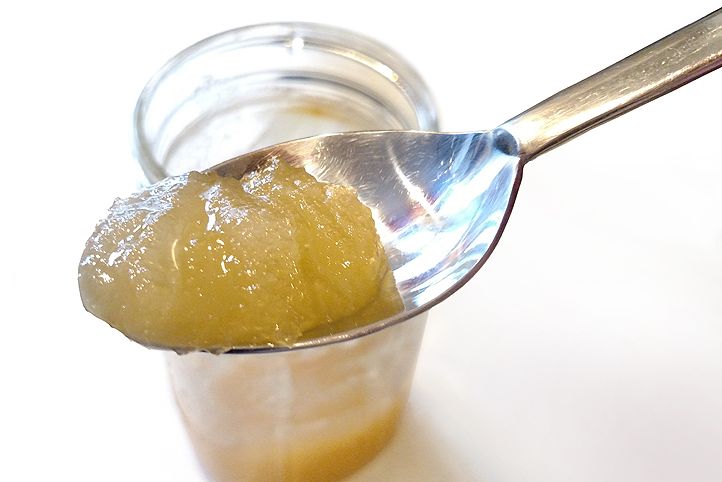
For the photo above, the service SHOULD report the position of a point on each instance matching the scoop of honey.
(204, 262)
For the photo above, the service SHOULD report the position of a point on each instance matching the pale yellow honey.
(203, 262)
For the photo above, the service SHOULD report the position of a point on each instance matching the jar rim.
(333, 39)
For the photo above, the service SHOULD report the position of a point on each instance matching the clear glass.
(257, 86)
(316, 414)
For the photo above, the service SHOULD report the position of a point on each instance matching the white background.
(589, 348)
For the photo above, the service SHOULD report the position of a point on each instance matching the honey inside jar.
(309, 415)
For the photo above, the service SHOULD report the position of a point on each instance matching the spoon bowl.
(441, 200)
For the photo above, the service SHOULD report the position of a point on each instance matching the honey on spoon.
(441, 201)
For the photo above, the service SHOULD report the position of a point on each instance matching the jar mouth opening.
(376, 73)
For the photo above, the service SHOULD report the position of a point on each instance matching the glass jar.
(316, 414)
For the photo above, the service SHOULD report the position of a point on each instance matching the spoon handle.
(652, 72)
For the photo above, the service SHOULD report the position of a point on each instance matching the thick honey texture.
(201, 262)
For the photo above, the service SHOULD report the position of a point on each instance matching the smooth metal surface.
(441, 201)
(658, 69)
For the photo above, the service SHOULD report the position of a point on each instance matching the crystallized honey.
(201, 262)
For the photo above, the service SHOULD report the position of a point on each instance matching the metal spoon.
(441, 201)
